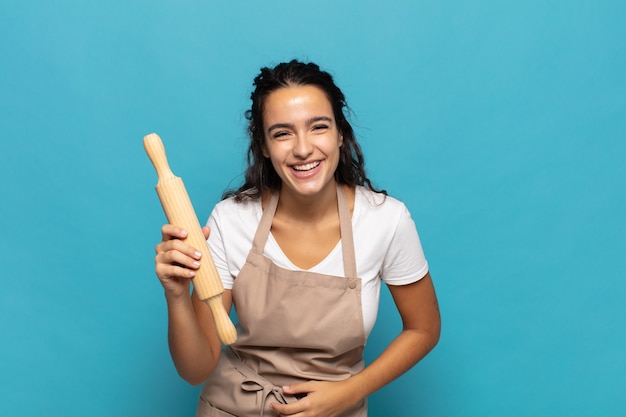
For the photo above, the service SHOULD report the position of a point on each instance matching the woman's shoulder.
(230, 209)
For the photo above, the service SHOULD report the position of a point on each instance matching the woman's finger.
(170, 231)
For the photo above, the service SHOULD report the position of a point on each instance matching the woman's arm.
(419, 310)
(193, 341)
(421, 325)
(192, 337)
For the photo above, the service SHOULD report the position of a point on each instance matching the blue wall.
(501, 124)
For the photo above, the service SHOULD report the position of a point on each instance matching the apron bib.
(294, 326)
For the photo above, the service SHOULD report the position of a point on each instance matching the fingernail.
(183, 232)
(192, 273)
(196, 263)
(198, 254)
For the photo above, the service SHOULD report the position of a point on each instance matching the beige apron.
(294, 326)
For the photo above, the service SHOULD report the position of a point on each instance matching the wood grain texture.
(179, 211)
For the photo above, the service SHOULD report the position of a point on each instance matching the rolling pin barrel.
(179, 211)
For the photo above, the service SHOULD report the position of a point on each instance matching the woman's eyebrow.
(309, 122)
(280, 126)
(318, 119)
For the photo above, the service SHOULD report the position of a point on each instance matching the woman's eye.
(279, 135)
(320, 127)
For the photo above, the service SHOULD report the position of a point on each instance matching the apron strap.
(347, 241)
(345, 224)
(263, 231)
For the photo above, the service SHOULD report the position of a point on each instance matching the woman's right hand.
(176, 262)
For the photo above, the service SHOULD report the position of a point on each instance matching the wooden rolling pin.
(179, 211)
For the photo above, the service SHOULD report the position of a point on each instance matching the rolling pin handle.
(225, 329)
(156, 152)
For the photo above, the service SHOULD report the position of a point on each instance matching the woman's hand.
(323, 399)
(176, 262)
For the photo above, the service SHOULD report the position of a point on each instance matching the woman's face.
(301, 139)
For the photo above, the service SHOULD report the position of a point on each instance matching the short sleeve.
(218, 251)
(404, 261)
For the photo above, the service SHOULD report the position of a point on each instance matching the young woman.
(302, 248)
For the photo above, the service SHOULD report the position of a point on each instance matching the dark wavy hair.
(260, 174)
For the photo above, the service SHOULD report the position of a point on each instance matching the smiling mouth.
(306, 167)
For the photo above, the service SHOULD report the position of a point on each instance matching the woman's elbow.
(196, 375)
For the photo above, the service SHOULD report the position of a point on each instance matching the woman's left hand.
(323, 399)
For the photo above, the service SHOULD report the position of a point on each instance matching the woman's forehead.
(294, 101)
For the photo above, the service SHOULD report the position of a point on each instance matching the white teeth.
(306, 167)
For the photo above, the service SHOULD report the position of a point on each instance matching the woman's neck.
(308, 208)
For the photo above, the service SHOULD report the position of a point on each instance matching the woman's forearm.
(402, 354)
(190, 350)
(421, 327)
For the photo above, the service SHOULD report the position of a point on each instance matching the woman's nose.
(303, 147)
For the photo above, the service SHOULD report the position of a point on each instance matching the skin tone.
(303, 144)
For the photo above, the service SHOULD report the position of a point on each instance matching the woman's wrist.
(175, 299)
(355, 389)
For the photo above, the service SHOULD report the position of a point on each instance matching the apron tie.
(263, 391)
(253, 382)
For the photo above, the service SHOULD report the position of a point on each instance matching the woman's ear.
(264, 150)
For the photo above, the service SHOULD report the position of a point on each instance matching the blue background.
(500, 124)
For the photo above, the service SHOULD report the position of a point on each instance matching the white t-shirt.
(386, 245)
